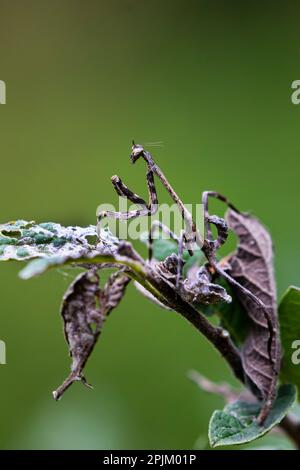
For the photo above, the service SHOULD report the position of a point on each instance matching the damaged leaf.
(238, 422)
(252, 267)
(78, 251)
(85, 307)
(122, 255)
(23, 240)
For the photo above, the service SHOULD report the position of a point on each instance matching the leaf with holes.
(23, 240)
(237, 423)
(289, 317)
(123, 256)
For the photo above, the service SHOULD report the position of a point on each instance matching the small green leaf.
(233, 317)
(289, 318)
(236, 424)
(196, 259)
(39, 266)
(163, 247)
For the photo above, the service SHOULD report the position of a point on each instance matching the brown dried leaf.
(84, 309)
(252, 267)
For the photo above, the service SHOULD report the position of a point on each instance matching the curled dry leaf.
(252, 267)
(113, 291)
(84, 309)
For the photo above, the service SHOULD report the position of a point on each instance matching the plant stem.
(219, 337)
(291, 427)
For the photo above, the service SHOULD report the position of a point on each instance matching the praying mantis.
(198, 289)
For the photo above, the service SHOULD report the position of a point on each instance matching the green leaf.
(40, 266)
(289, 319)
(234, 319)
(236, 424)
(233, 316)
(270, 441)
(163, 247)
(296, 411)
(22, 240)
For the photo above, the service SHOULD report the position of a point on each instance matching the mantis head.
(137, 151)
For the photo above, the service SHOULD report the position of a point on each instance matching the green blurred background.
(212, 80)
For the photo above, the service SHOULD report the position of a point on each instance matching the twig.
(219, 337)
(165, 293)
(229, 394)
(291, 427)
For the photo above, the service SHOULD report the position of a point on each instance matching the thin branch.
(291, 427)
(219, 337)
(228, 393)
